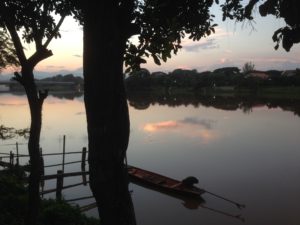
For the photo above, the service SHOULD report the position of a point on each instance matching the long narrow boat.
(163, 183)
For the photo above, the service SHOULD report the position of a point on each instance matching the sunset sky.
(233, 44)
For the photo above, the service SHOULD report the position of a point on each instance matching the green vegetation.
(57, 83)
(248, 67)
(13, 203)
(223, 80)
(10, 132)
(64, 78)
(7, 52)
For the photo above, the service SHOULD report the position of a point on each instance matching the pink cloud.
(164, 125)
(197, 129)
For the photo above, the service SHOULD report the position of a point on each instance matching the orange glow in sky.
(232, 44)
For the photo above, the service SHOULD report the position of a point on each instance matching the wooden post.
(59, 184)
(11, 159)
(64, 151)
(83, 165)
(42, 169)
(83, 158)
(17, 148)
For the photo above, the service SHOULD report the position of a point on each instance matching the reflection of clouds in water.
(207, 123)
(164, 125)
(190, 127)
(12, 104)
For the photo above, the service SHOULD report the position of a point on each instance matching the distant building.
(158, 74)
(289, 73)
(259, 74)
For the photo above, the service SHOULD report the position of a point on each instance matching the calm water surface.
(249, 156)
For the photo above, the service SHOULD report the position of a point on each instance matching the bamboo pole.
(42, 168)
(64, 152)
(83, 166)
(59, 184)
(17, 149)
(11, 159)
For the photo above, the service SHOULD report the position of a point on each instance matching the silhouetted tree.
(248, 67)
(160, 25)
(285, 9)
(34, 19)
(108, 25)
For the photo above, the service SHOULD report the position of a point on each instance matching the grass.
(13, 204)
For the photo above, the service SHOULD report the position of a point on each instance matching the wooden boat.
(162, 183)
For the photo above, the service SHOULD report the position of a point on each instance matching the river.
(244, 149)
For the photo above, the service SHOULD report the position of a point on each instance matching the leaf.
(156, 59)
(164, 57)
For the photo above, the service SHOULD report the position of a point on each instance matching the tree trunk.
(107, 114)
(35, 101)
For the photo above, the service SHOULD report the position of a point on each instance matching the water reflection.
(252, 157)
(246, 103)
(190, 127)
(7, 133)
(70, 95)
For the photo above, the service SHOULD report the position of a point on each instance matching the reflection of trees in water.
(67, 95)
(142, 100)
(10, 132)
(70, 95)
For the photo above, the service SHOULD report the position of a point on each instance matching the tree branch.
(249, 8)
(17, 77)
(9, 23)
(54, 31)
(38, 56)
(125, 13)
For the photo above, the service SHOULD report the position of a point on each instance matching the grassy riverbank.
(13, 203)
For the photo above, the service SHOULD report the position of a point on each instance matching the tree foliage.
(34, 21)
(7, 51)
(284, 9)
(248, 66)
(10, 132)
(161, 26)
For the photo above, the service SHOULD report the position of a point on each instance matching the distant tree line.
(64, 78)
(222, 77)
(54, 83)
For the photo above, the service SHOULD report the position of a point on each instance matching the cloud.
(77, 55)
(164, 125)
(225, 62)
(220, 33)
(278, 63)
(54, 66)
(206, 43)
(80, 113)
(189, 127)
(206, 123)
(196, 46)
(12, 104)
